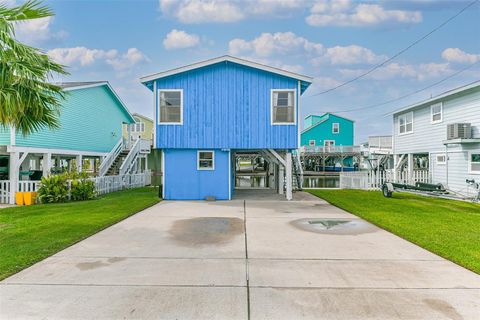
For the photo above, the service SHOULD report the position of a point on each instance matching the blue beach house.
(208, 113)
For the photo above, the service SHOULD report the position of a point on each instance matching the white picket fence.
(370, 180)
(103, 185)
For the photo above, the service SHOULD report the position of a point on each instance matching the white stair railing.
(131, 158)
(107, 163)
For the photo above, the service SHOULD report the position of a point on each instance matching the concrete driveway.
(193, 260)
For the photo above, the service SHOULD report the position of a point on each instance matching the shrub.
(82, 189)
(53, 189)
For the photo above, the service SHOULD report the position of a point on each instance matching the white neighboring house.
(421, 143)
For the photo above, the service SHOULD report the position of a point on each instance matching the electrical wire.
(411, 93)
(398, 53)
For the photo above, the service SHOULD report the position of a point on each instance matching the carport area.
(250, 258)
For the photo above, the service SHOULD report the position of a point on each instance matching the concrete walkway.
(192, 260)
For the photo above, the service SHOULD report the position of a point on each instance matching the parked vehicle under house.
(440, 136)
(207, 113)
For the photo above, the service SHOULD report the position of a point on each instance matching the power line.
(411, 93)
(398, 53)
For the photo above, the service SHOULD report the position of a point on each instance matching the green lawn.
(448, 228)
(30, 234)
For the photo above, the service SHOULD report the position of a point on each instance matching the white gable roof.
(222, 59)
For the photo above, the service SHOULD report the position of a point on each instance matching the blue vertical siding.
(90, 120)
(227, 105)
(182, 180)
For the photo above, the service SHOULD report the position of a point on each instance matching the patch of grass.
(30, 234)
(448, 228)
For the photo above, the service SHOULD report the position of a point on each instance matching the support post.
(410, 168)
(13, 175)
(79, 161)
(46, 164)
(288, 176)
(281, 178)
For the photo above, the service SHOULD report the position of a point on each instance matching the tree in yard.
(28, 101)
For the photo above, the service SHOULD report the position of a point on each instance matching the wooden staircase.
(117, 163)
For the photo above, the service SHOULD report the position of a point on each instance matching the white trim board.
(225, 58)
(11, 149)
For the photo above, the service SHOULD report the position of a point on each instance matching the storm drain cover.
(334, 226)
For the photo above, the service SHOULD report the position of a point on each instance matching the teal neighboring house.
(91, 121)
(328, 130)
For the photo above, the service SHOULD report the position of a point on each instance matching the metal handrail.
(107, 163)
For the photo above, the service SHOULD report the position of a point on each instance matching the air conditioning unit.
(459, 131)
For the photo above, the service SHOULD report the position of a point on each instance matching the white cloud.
(132, 57)
(406, 71)
(84, 56)
(352, 54)
(177, 39)
(347, 13)
(198, 11)
(37, 30)
(458, 56)
(293, 46)
(226, 11)
(268, 44)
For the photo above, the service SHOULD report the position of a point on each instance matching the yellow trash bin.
(19, 199)
(29, 198)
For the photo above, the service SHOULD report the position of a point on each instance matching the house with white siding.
(438, 140)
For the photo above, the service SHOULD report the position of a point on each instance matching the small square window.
(311, 143)
(206, 160)
(335, 127)
(441, 159)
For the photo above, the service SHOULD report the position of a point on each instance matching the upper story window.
(283, 107)
(474, 162)
(138, 127)
(405, 123)
(335, 127)
(205, 160)
(437, 113)
(170, 106)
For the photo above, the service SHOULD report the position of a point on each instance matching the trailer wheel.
(386, 192)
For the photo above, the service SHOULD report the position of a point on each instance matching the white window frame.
(441, 113)
(336, 125)
(330, 145)
(404, 115)
(441, 163)
(470, 153)
(310, 143)
(294, 108)
(141, 126)
(159, 91)
(213, 160)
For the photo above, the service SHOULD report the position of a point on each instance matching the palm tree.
(28, 101)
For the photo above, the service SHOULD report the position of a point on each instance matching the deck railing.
(103, 185)
(330, 149)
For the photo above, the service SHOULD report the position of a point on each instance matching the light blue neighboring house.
(207, 112)
(91, 120)
(327, 130)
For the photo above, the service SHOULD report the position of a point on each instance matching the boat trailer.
(433, 190)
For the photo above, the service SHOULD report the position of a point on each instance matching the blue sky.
(332, 41)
